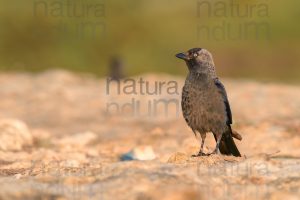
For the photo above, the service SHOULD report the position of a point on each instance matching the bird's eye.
(195, 55)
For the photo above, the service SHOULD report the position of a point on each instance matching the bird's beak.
(182, 56)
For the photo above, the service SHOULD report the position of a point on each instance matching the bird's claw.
(200, 154)
(215, 152)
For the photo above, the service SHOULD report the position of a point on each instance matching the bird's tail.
(227, 145)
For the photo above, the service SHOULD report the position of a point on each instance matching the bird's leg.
(217, 150)
(201, 153)
(203, 136)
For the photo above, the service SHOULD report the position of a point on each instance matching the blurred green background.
(83, 36)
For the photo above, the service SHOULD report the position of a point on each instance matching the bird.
(205, 104)
(116, 68)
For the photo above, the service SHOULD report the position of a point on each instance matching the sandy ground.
(59, 140)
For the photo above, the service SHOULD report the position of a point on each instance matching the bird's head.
(198, 60)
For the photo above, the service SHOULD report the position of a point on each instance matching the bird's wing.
(222, 91)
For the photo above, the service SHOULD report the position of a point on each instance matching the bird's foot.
(200, 154)
(215, 152)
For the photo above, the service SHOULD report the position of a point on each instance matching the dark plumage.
(116, 68)
(205, 105)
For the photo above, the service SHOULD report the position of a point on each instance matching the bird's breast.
(203, 106)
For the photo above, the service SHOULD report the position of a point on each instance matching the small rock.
(18, 176)
(139, 153)
(14, 135)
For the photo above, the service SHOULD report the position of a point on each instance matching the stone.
(139, 153)
(14, 135)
